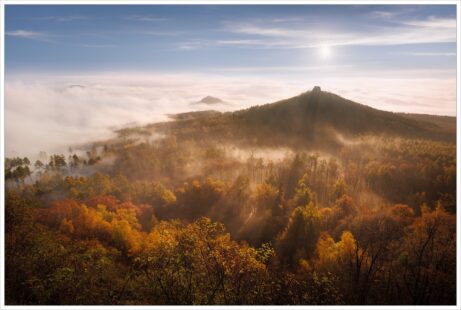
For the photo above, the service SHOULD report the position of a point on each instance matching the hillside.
(314, 118)
(194, 115)
(446, 123)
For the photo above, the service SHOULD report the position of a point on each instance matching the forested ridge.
(314, 200)
(315, 119)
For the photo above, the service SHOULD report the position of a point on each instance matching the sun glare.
(325, 51)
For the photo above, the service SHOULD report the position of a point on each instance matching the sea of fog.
(54, 112)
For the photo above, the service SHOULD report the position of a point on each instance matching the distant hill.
(314, 118)
(210, 100)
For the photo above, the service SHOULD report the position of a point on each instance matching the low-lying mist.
(52, 113)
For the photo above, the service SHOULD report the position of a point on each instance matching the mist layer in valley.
(52, 113)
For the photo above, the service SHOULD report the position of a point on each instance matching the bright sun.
(325, 51)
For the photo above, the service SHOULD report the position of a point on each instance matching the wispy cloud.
(32, 35)
(287, 19)
(164, 33)
(383, 14)
(281, 69)
(100, 45)
(145, 18)
(192, 45)
(71, 18)
(444, 54)
(239, 42)
(433, 22)
(430, 30)
(67, 18)
(256, 29)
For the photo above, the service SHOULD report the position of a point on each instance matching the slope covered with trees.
(315, 119)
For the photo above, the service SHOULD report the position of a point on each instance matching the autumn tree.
(428, 259)
(199, 264)
(267, 217)
(300, 236)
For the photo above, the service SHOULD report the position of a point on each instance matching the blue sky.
(231, 38)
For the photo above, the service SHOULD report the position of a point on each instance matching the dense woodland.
(193, 212)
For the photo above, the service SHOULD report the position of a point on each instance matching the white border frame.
(223, 2)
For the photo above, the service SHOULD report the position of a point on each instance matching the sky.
(75, 72)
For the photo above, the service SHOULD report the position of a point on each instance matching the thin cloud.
(253, 29)
(100, 45)
(429, 22)
(433, 22)
(32, 35)
(278, 69)
(239, 42)
(67, 18)
(392, 14)
(164, 33)
(383, 14)
(192, 45)
(443, 54)
(430, 30)
(403, 36)
(71, 18)
(145, 18)
(287, 19)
